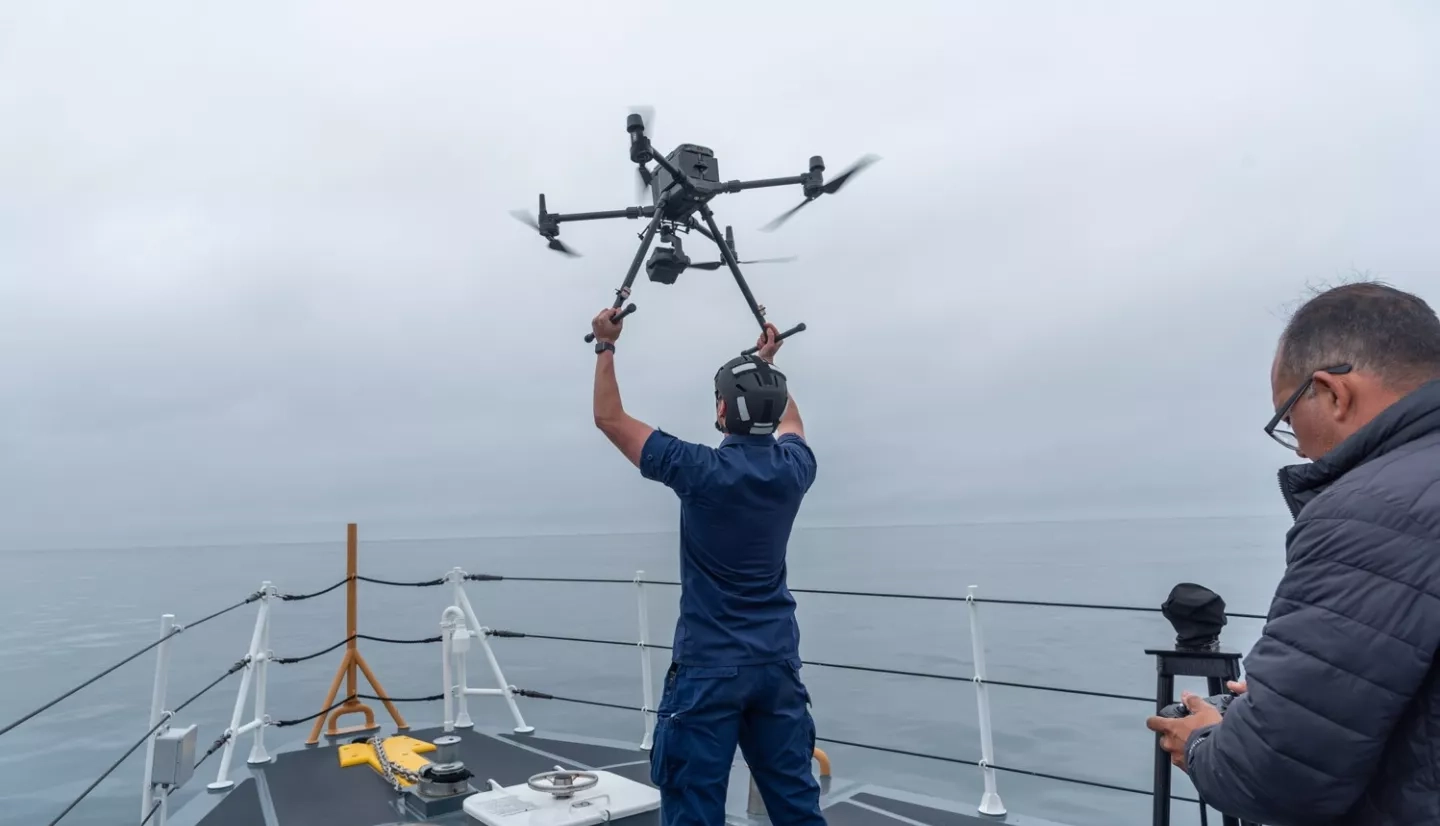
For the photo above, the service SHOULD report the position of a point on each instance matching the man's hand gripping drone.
(681, 186)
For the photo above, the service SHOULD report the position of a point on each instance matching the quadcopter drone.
(681, 187)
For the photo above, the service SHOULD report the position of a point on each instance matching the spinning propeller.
(547, 228)
(814, 190)
(715, 265)
(730, 242)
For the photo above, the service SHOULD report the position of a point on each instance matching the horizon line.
(1039, 520)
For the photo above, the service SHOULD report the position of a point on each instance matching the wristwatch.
(602, 346)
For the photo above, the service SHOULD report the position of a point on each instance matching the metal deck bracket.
(402, 751)
(459, 628)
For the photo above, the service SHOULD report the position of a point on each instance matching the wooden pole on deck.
(352, 661)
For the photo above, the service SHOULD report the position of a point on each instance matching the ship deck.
(308, 787)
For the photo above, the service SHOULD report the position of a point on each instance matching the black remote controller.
(1178, 710)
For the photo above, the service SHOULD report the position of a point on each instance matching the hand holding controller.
(1175, 711)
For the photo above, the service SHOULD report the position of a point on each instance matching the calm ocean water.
(66, 614)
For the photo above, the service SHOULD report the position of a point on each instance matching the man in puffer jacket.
(1339, 719)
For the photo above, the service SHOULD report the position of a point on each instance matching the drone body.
(698, 167)
(681, 188)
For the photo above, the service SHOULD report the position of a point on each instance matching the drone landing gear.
(712, 231)
(729, 256)
(624, 291)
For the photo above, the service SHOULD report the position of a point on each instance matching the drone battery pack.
(611, 799)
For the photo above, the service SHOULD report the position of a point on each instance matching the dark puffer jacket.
(1341, 720)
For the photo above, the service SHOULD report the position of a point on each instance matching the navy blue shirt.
(737, 505)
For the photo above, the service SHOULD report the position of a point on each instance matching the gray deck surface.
(309, 788)
(924, 814)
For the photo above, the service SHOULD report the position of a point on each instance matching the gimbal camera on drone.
(681, 187)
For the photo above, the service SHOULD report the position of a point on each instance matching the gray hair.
(1369, 325)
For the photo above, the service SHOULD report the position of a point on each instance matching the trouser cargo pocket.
(662, 752)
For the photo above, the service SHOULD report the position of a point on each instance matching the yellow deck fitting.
(403, 751)
(824, 760)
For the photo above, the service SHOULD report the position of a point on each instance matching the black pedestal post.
(1216, 667)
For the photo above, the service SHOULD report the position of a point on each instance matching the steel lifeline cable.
(429, 698)
(164, 720)
(428, 583)
(219, 743)
(875, 594)
(174, 631)
(821, 591)
(313, 594)
(168, 715)
(370, 637)
(421, 584)
(845, 667)
(214, 747)
(540, 695)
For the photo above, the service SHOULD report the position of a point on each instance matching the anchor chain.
(390, 770)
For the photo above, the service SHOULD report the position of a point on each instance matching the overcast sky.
(257, 276)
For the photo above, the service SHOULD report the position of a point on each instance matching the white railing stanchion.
(157, 710)
(647, 681)
(505, 690)
(258, 754)
(448, 621)
(459, 646)
(252, 660)
(990, 803)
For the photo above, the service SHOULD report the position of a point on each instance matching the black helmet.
(755, 395)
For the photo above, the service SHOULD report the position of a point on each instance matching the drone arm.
(628, 212)
(737, 186)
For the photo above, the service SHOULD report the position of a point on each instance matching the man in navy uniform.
(734, 679)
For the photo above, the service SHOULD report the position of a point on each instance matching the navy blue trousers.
(705, 713)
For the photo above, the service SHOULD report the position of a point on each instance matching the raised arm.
(627, 433)
(790, 421)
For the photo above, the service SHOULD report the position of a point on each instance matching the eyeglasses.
(1287, 437)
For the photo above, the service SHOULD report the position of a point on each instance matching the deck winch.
(432, 786)
(445, 775)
